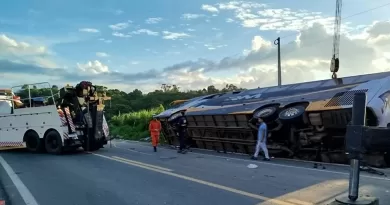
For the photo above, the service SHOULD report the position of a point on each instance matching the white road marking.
(297, 201)
(28, 198)
(210, 184)
(132, 150)
(143, 164)
(137, 151)
(281, 165)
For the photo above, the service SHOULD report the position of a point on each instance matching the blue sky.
(76, 32)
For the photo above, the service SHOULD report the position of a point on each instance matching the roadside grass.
(133, 125)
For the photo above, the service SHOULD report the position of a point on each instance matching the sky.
(193, 44)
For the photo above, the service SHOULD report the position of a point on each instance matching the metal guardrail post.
(358, 118)
(354, 142)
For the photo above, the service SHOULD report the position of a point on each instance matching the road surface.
(131, 173)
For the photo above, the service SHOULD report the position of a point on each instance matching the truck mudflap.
(106, 130)
(12, 145)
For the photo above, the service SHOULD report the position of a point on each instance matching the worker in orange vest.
(154, 129)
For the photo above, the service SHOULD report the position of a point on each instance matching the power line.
(352, 15)
(306, 46)
(362, 12)
(323, 40)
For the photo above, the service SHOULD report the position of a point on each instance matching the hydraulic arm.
(86, 109)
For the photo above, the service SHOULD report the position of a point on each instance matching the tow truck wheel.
(53, 142)
(33, 143)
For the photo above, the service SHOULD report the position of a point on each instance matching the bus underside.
(315, 136)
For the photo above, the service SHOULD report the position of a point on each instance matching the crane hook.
(334, 75)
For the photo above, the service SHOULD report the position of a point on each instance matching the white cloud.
(122, 35)
(95, 67)
(173, 36)
(214, 46)
(23, 52)
(134, 62)
(238, 5)
(8, 44)
(303, 60)
(89, 30)
(173, 53)
(257, 15)
(258, 43)
(229, 20)
(146, 31)
(118, 12)
(362, 51)
(191, 16)
(191, 30)
(209, 8)
(105, 40)
(33, 12)
(102, 54)
(119, 26)
(153, 20)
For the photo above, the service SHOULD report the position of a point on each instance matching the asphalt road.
(131, 173)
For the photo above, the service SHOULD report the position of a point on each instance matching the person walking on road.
(261, 140)
(155, 129)
(182, 131)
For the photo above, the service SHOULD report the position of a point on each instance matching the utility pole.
(277, 42)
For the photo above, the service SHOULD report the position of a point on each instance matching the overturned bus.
(306, 120)
(173, 112)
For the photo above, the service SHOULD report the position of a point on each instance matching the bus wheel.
(33, 143)
(53, 142)
(292, 113)
(268, 113)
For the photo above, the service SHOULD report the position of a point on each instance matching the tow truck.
(45, 124)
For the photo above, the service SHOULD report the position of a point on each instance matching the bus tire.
(267, 113)
(33, 142)
(53, 142)
(292, 113)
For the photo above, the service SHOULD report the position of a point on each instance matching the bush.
(133, 125)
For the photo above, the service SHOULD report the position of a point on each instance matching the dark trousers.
(182, 138)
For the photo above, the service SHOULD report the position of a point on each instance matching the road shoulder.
(8, 191)
(282, 162)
